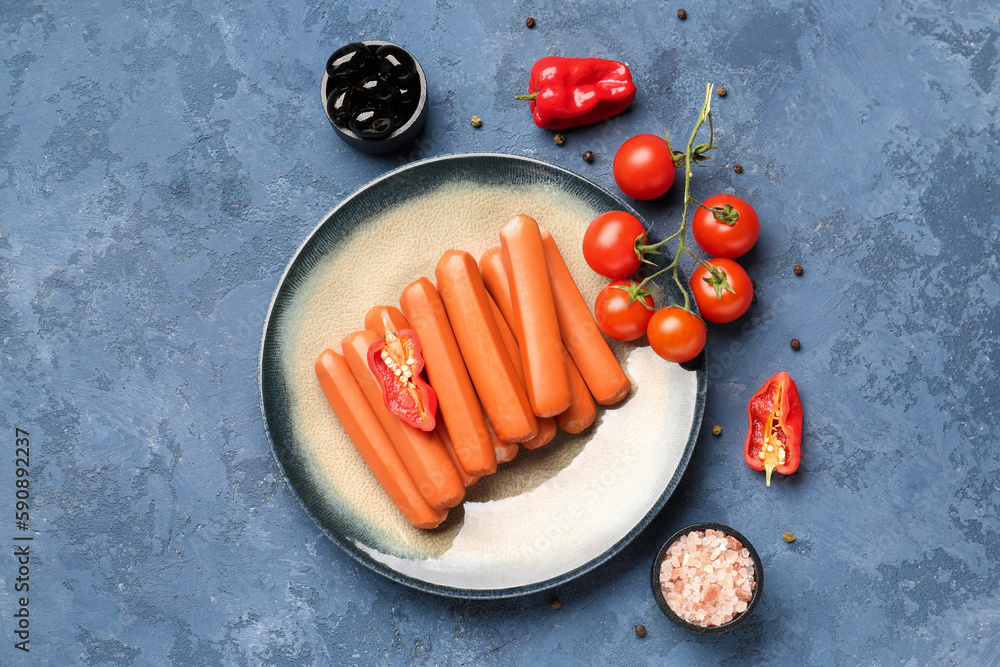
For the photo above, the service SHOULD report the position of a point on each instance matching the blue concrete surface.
(160, 162)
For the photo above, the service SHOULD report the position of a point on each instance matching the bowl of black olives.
(375, 95)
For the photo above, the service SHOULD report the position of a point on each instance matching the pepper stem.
(392, 341)
(768, 469)
(530, 97)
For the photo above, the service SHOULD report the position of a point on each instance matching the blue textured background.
(159, 165)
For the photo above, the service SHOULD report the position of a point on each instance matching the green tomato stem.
(681, 233)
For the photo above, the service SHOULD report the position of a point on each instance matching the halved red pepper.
(396, 362)
(774, 441)
(567, 92)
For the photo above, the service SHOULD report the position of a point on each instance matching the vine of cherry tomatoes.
(615, 246)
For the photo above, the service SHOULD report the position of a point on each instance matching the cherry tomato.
(675, 334)
(727, 306)
(644, 167)
(721, 239)
(609, 244)
(616, 317)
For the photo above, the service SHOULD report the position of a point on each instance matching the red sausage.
(585, 342)
(505, 451)
(457, 400)
(536, 324)
(581, 411)
(546, 425)
(546, 432)
(422, 453)
(495, 279)
(442, 432)
(492, 372)
(374, 321)
(368, 436)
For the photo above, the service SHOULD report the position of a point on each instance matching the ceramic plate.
(549, 515)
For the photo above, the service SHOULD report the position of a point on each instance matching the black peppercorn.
(722, 91)
(530, 22)
(588, 156)
(682, 14)
(797, 269)
(640, 630)
(795, 344)
(556, 604)
(738, 168)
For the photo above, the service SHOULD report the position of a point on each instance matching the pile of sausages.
(511, 349)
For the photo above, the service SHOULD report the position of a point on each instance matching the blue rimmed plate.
(550, 515)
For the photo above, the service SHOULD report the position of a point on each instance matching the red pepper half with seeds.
(774, 441)
(396, 362)
(568, 92)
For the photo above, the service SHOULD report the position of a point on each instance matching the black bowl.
(401, 136)
(700, 629)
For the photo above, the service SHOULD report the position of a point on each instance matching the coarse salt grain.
(714, 582)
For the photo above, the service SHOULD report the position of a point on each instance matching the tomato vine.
(692, 155)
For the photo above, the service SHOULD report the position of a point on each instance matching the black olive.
(335, 82)
(402, 113)
(348, 62)
(338, 105)
(372, 122)
(405, 104)
(408, 95)
(396, 63)
(376, 87)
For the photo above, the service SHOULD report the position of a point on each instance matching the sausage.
(384, 320)
(422, 453)
(370, 439)
(581, 411)
(374, 321)
(492, 372)
(536, 324)
(442, 432)
(546, 432)
(546, 425)
(457, 400)
(505, 451)
(508, 338)
(585, 342)
(495, 279)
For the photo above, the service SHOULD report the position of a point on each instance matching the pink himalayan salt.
(715, 579)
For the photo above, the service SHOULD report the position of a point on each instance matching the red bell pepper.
(568, 92)
(774, 441)
(396, 362)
